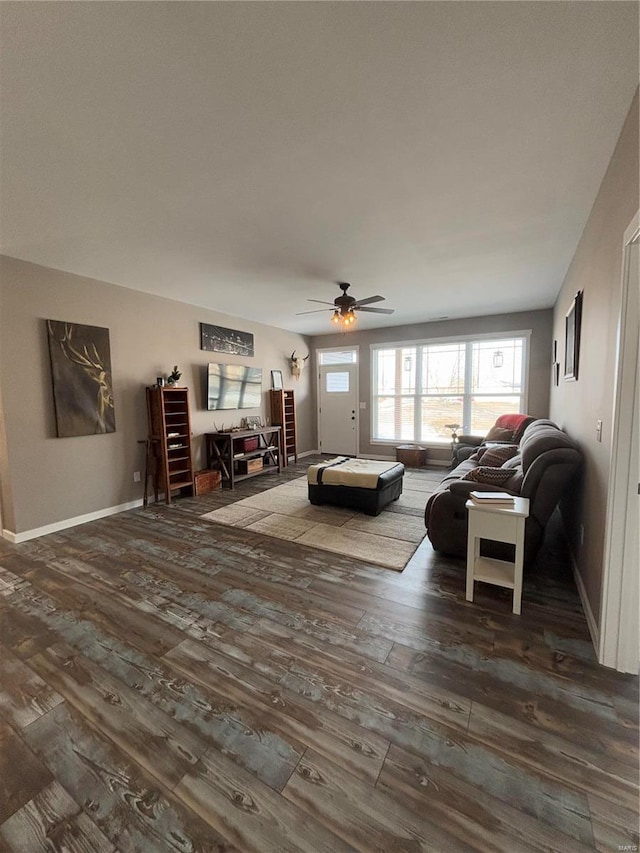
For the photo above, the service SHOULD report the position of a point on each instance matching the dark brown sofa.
(543, 468)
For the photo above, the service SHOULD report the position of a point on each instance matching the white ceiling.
(244, 156)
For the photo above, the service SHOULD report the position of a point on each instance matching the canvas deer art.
(297, 365)
(82, 384)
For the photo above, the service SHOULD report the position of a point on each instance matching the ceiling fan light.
(346, 307)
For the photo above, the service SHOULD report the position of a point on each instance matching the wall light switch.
(136, 476)
(598, 430)
(363, 405)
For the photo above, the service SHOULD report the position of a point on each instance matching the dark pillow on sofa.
(499, 434)
(490, 476)
(495, 457)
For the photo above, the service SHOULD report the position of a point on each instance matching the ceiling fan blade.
(321, 301)
(315, 311)
(368, 300)
(375, 310)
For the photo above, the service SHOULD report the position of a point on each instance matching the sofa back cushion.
(540, 437)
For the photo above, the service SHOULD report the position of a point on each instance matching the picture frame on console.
(276, 380)
(573, 321)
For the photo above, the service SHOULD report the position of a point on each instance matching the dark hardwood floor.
(167, 683)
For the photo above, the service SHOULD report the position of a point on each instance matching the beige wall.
(47, 479)
(596, 269)
(539, 322)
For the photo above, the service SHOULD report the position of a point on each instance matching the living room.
(118, 214)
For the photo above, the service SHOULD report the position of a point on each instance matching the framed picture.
(276, 380)
(81, 375)
(219, 339)
(572, 338)
(252, 422)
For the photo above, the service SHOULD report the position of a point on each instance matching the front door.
(338, 409)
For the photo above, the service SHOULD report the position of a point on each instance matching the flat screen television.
(234, 386)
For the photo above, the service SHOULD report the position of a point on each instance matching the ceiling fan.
(344, 307)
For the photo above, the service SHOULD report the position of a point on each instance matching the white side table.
(502, 524)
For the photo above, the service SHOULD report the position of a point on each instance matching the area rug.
(284, 512)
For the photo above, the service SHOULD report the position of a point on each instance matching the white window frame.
(351, 348)
(525, 334)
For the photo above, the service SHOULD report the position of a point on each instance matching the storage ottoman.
(361, 484)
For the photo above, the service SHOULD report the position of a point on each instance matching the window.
(419, 388)
(337, 383)
(328, 357)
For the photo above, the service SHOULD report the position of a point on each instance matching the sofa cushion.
(491, 476)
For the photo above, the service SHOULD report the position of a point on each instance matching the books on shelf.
(503, 498)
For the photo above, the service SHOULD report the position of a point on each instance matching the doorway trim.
(618, 645)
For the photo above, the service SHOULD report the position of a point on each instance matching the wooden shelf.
(498, 572)
(169, 455)
(254, 474)
(283, 413)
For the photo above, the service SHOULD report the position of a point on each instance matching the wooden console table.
(225, 451)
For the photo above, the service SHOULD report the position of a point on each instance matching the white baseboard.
(594, 630)
(440, 463)
(17, 538)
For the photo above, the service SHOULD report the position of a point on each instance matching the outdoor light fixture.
(498, 358)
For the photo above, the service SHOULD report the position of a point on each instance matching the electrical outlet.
(136, 476)
(598, 430)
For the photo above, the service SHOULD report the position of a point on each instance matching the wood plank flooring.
(169, 684)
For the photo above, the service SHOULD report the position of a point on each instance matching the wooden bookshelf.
(283, 413)
(170, 458)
